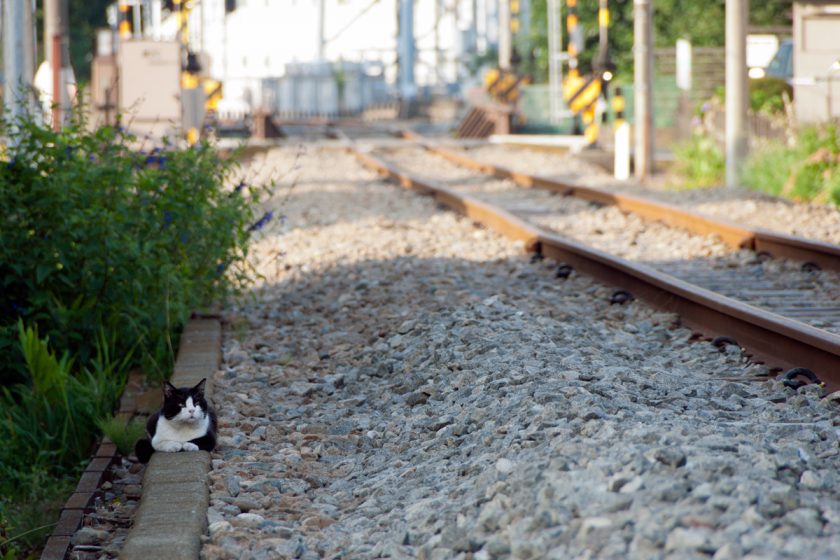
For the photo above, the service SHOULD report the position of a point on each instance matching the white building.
(259, 38)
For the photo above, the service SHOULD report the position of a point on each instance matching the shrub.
(105, 251)
(46, 428)
(766, 94)
(700, 161)
(808, 170)
(99, 236)
(123, 432)
(768, 167)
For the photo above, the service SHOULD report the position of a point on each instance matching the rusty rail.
(824, 255)
(776, 340)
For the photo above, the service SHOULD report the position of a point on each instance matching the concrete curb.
(173, 509)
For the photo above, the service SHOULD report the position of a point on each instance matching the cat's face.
(184, 404)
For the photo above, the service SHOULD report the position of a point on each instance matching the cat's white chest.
(173, 431)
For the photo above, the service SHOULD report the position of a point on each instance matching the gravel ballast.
(698, 259)
(739, 205)
(404, 384)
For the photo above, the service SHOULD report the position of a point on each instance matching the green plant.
(766, 95)
(97, 235)
(47, 426)
(122, 432)
(26, 521)
(768, 167)
(106, 248)
(700, 161)
(48, 422)
(807, 170)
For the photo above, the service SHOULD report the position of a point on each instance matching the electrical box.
(150, 87)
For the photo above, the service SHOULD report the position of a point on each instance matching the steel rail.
(775, 340)
(824, 255)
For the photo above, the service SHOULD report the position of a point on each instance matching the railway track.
(716, 275)
(407, 385)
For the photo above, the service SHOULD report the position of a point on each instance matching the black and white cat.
(184, 423)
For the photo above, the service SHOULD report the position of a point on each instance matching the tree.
(86, 16)
(700, 21)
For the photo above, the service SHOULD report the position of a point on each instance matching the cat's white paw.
(170, 446)
(190, 447)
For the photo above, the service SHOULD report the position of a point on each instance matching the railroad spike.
(721, 342)
(564, 271)
(793, 383)
(621, 297)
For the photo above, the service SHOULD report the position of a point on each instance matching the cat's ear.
(199, 389)
(168, 390)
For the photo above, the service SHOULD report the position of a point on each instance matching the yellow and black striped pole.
(515, 26)
(603, 25)
(124, 20)
(573, 28)
(514, 17)
(190, 80)
(618, 107)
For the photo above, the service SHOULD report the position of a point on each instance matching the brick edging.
(75, 507)
(172, 515)
(79, 502)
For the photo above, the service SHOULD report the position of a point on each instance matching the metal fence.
(324, 90)
(673, 107)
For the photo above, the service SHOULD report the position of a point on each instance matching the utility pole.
(643, 86)
(736, 89)
(322, 42)
(555, 59)
(57, 52)
(505, 39)
(406, 51)
(17, 83)
(30, 50)
(439, 80)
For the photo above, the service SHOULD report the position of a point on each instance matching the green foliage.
(122, 432)
(808, 170)
(766, 95)
(46, 428)
(98, 236)
(768, 167)
(23, 528)
(49, 420)
(700, 161)
(106, 250)
(86, 16)
(700, 21)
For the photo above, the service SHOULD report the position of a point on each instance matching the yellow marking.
(192, 136)
(571, 3)
(514, 6)
(189, 80)
(580, 94)
(213, 92)
(591, 133)
(514, 25)
(604, 17)
(571, 21)
(618, 103)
